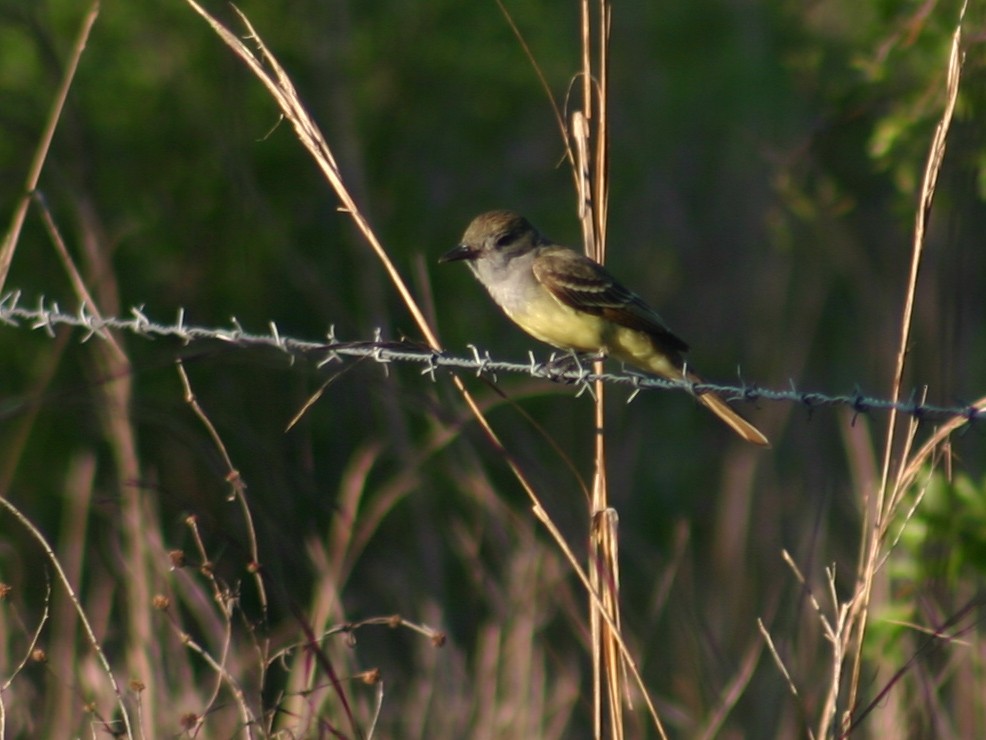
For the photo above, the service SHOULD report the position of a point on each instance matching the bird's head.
(502, 234)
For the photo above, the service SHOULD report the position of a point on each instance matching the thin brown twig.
(779, 662)
(236, 483)
(222, 599)
(601, 175)
(73, 597)
(32, 643)
(393, 621)
(222, 672)
(555, 109)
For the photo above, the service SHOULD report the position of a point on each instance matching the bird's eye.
(504, 239)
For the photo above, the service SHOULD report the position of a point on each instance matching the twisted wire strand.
(566, 368)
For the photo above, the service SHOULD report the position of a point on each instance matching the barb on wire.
(49, 316)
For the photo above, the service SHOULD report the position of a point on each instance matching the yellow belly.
(567, 328)
(562, 326)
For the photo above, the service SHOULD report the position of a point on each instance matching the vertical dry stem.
(890, 489)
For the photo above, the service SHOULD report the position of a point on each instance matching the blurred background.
(766, 160)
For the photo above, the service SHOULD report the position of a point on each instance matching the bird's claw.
(570, 367)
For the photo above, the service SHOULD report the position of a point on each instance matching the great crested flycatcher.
(571, 302)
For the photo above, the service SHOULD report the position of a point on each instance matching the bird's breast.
(544, 318)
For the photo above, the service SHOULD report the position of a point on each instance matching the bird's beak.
(461, 252)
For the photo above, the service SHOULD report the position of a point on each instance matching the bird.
(567, 300)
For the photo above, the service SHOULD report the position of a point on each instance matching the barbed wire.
(566, 368)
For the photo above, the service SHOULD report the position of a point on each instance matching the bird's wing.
(585, 285)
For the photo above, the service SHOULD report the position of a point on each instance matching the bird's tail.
(721, 409)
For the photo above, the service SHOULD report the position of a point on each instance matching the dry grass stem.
(779, 662)
(555, 109)
(41, 153)
(269, 71)
(733, 690)
(888, 495)
(588, 136)
(604, 613)
(118, 430)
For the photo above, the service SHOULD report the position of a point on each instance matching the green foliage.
(935, 603)
(945, 542)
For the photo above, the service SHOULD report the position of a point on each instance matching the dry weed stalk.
(892, 488)
(845, 628)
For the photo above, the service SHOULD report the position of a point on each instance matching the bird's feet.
(571, 366)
